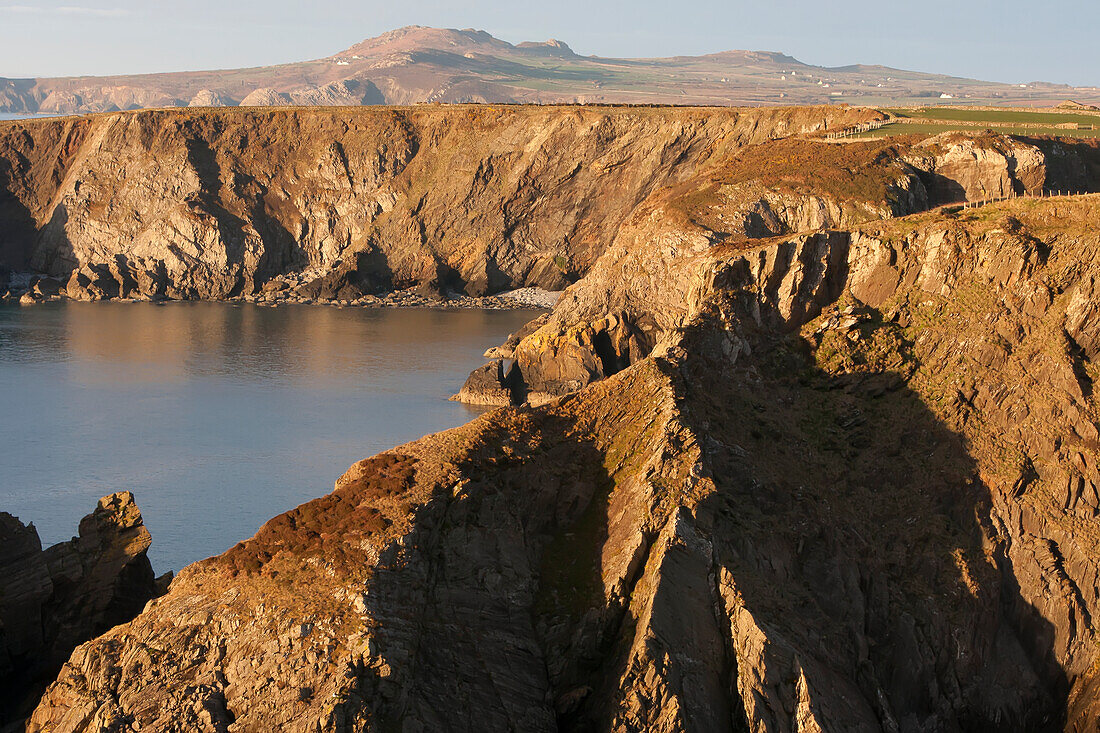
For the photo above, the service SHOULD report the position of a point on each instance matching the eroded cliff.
(806, 460)
(217, 203)
(854, 490)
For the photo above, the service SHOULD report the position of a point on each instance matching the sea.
(217, 416)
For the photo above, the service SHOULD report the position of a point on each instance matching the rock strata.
(218, 203)
(797, 453)
(825, 500)
(54, 599)
(488, 385)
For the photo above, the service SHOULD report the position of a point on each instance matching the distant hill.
(418, 64)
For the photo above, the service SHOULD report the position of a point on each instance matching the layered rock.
(488, 385)
(52, 600)
(828, 500)
(215, 203)
(806, 460)
(635, 295)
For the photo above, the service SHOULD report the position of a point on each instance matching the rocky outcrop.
(958, 166)
(338, 205)
(488, 385)
(805, 457)
(266, 97)
(210, 98)
(52, 600)
(346, 92)
(634, 297)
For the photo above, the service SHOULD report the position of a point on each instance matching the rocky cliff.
(636, 294)
(338, 203)
(52, 600)
(798, 467)
(342, 204)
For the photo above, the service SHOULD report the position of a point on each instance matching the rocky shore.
(43, 289)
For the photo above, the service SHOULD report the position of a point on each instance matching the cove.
(217, 416)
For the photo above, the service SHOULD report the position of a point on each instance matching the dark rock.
(52, 600)
(46, 287)
(488, 385)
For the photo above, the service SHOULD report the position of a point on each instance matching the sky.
(1005, 40)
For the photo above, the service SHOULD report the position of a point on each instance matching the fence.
(1042, 194)
(855, 129)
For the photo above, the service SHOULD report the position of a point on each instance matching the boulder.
(488, 385)
(47, 287)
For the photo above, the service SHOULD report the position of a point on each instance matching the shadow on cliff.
(280, 247)
(850, 532)
(854, 530)
(1071, 164)
(489, 609)
(18, 228)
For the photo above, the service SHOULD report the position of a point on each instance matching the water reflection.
(217, 416)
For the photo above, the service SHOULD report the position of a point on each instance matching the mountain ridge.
(418, 64)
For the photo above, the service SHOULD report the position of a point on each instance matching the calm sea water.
(216, 416)
(24, 116)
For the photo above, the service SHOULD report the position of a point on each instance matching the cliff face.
(635, 295)
(217, 203)
(835, 479)
(52, 600)
(853, 490)
(335, 204)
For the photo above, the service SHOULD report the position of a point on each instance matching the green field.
(934, 120)
(1010, 116)
(932, 128)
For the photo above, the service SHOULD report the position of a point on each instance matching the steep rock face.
(488, 385)
(52, 600)
(636, 292)
(828, 500)
(216, 203)
(971, 167)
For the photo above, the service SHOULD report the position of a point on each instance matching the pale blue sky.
(1010, 40)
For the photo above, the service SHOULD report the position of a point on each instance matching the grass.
(861, 172)
(993, 116)
(934, 128)
(934, 120)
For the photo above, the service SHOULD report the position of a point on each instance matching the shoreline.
(518, 299)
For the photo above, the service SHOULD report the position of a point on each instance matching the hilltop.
(419, 64)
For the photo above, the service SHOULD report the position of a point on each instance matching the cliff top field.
(1079, 121)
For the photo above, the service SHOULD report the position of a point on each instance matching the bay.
(217, 416)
